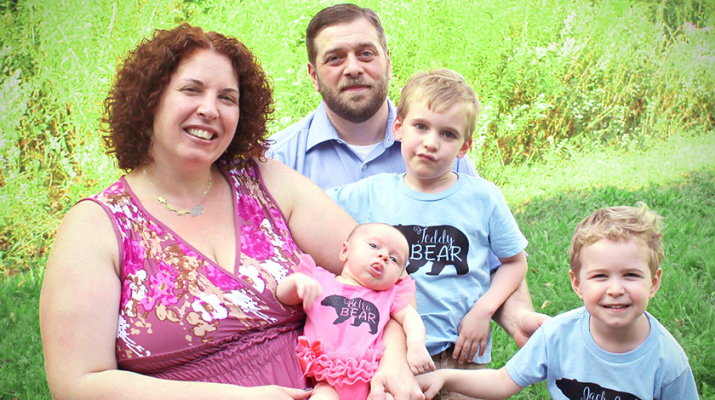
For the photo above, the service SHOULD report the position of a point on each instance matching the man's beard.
(352, 107)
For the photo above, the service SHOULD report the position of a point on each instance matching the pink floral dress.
(183, 317)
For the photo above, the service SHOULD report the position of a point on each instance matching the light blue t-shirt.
(313, 147)
(563, 352)
(450, 234)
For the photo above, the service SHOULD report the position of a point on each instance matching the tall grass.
(553, 76)
(559, 80)
(547, 207)
(685, 303)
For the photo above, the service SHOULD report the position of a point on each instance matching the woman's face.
(198, 112)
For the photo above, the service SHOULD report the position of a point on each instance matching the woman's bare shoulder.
(86, 232)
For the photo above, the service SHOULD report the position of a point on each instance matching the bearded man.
(349, 136)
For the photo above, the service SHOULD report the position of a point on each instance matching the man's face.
(351, 70)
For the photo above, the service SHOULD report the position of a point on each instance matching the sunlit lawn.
(558, 81)
(675, 178)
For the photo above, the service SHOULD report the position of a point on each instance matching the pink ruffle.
(338, 369)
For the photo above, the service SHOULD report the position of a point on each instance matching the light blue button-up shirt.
(313, 147)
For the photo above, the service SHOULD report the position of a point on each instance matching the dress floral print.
(176, 300)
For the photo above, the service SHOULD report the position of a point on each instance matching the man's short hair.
(441, 89)
(620, 224)
(340, 14)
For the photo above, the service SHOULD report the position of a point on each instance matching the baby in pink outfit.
(348, 313)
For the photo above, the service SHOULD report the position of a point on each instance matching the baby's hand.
(431, 383)
(419, 359)
(307, 288)
(473, 335)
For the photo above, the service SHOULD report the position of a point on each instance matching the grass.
(552, 75)
(22, 373)
(672, 178)
(578, 97)
(676, 180)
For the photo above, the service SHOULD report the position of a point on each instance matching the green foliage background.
(553, 75)
(560, 80)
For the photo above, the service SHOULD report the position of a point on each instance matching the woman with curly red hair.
(171, 271)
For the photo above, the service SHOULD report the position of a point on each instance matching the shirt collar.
(322, 130)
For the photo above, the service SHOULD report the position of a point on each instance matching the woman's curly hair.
(144, 74)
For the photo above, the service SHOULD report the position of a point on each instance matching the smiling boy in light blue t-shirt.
(611, 348)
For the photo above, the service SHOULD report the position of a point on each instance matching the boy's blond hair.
(620, 223)
(441, 89)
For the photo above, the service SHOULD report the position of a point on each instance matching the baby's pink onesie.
(343, 333)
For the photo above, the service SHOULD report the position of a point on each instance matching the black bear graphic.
(576, 390)
(442, 245)
(358, 309)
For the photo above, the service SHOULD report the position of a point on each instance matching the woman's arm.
(79, 307)
(394, 375)
(319, 226)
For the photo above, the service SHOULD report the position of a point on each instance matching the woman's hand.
(393, 376)
(397, 383)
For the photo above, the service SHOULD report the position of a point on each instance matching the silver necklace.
(195, 211)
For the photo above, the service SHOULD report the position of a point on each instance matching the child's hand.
(431, 383)
(307, 288)
(473, 335)
(419, 359)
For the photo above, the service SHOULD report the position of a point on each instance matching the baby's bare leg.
(323, 391)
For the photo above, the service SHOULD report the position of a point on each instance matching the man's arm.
(517, 315)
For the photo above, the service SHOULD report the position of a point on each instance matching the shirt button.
(364, 167)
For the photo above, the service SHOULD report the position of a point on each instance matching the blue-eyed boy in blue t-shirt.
(609, 349)
(451, 220)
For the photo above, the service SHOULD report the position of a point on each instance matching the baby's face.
(375, 256)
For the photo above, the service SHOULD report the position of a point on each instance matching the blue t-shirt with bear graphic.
(563, 352)
(450, 234)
